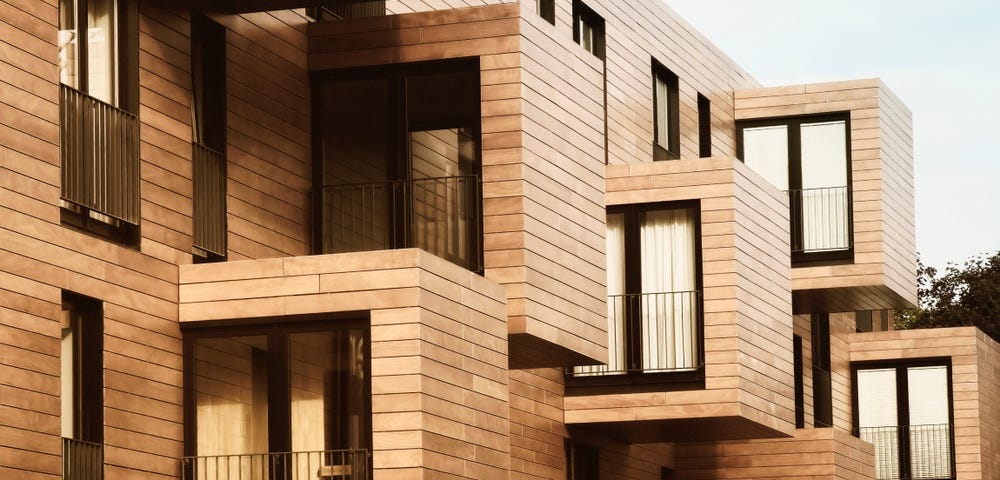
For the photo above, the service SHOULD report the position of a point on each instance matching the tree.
(967, 295)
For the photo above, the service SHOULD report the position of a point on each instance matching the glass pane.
(615, 255)
(231, 395)
(765, 150)
(877, 418)
(355, 139)
(662, 113)
(824, 154)
(824, 198)
(668, 303)
(930, 432)
(329, 398)
(68, 42)
(101, 50)
(442, 198)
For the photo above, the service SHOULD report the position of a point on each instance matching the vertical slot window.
(546, 9)
(208, 85)
(82, 387)
(588, 29)
(666, 118)
(704, 127)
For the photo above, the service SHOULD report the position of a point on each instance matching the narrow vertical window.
(99, 131)
(82, 388)
(666, 124)
(588, 29)
(208, 121)
(547, 10)
(582, 461)
(822, 387)
(800, 401)
(704, 127)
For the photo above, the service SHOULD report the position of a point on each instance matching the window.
(654, 280)
(208, 80)
(99, 132)
(822, 382)
(800, 395)
(547, 10)
(330, 10)
(82, 387)
(666, 124)
(704, 127)
(809, 158)
(582, 461)
(293, 398)
(905, 411)
(399, 161)
(588, 29)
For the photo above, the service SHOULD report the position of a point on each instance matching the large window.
(208, 85)
(278, 402)
(588, 29)
(654, 303)
(82, 387)
(99, 132)
(808, 157)
(905, 411)
(666, 120)
(399, 161)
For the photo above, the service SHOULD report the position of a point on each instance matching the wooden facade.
(468, 370)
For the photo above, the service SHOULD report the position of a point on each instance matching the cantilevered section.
(542, 202)
(744, 387)
(852, 225)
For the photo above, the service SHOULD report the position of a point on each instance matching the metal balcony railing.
(315, 465)
(345, 9)
(100, 156)
(915, 452)
(439, 215)
(82, 460)
(651, 332)
(821, 219)
(209, 200)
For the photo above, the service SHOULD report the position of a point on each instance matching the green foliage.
(967, 295)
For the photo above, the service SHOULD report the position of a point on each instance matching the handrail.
(911, 452)
(651, 333)
(82, 460)
(821, 219)
(352, 464)
(209, 199)
(441, 215)
(99, 155)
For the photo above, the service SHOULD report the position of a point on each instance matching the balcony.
(209, 201)
(821, 223)
(911, 452)
(100, 157)
(326, 464)
(82, 460)
(651, 333)
(440, 215)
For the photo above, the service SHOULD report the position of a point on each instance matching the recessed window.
(800, 397)
(588, 29)
(582, 461)
(809, 158)
(99, 131)
(666, 118)
(654, 302)
(905, 411)
(704, 127)
(821, 377)
(82, 386)
(546, 9)
(208, 85)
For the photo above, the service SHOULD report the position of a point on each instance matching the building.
(407, 239)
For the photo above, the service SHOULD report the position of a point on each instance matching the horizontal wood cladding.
(974, 383)
(882, 272)
(747, 306)
(823, 453)
(439, 346)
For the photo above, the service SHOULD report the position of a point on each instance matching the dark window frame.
(636, 379)
(279, 388)
(672, 150)
(704, 126)
(547, 10)
(902, 399)
(586, 15)
(821, 371)
(85, 316)
(209, 134)
(798, 372)
(399, 128)
(794, 124)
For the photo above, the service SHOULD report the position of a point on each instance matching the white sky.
(942, 58)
